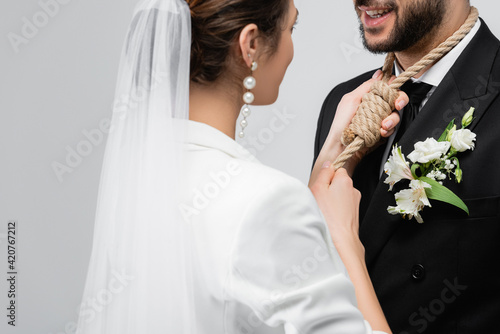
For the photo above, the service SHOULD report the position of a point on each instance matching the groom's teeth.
(377, 13)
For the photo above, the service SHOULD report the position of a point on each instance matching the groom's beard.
(419, 19)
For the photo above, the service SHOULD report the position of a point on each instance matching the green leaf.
(439, 192)
(446, 131)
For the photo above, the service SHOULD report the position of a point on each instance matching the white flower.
(463, 140)
(449, 165)
(397, 168)
(429, 150)
(411, 201)
(436, 175)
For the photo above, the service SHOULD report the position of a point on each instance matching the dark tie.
(417, 93)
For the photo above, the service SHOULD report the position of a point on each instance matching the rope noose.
(364, 130)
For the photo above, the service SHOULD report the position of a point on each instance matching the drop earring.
(249, 83)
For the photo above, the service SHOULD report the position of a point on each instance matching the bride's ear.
(248, 43)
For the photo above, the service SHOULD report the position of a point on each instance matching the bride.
(202, 237)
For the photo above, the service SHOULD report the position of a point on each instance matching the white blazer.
(266, 260)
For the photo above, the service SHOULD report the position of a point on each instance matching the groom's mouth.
(374, 17)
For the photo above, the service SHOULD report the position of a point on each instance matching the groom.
(442, 276)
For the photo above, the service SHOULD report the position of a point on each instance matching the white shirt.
(433, 77)
(266, 260)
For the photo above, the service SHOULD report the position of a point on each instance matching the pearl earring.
(249, 83)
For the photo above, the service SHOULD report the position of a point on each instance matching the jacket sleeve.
(285, 268)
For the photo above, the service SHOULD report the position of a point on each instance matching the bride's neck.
(216, 106)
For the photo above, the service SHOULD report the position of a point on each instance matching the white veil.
(139, 274)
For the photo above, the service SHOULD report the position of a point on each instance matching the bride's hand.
(346, 110)
(339, 201)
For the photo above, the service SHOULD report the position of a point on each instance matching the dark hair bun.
(217, 23)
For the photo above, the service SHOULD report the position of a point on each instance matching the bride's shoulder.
(270, 184)
(267, 174)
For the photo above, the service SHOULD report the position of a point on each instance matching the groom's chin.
(377, 40)
(377, 48)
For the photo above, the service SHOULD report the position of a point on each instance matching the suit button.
(418, 272)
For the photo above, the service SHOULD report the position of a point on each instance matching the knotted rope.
(364, 130)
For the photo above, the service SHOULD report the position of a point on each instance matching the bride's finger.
(401, 101)
(385, 133)
(324, 178)
(378, 75)
(390, 123)
(342, 180)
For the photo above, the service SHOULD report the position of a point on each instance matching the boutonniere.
(433, 161)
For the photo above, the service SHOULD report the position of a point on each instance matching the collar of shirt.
(204, 135)
(433, 77)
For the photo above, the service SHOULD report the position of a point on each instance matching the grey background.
(61, 83)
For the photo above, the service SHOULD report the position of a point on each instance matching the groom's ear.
(249, 43)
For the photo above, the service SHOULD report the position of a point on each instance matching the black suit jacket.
(441, 276)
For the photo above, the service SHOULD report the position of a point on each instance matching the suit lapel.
(469, 83)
